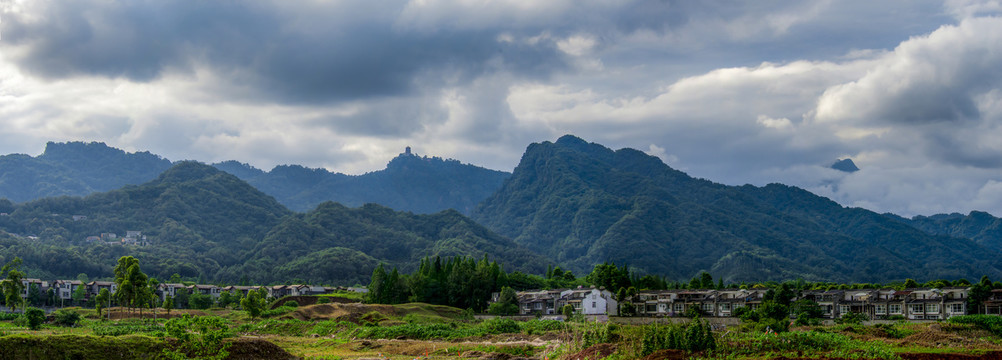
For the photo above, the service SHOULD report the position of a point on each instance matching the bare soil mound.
(597, 351)
(347, 312)
(255, 349)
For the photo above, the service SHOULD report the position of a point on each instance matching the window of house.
(707, 307)
(880, 309)
(957, 308)
(843, 309)
(917, 308)
(679, 308)
(894, 309)
(594, 305)
(932, 308)
(725, 307)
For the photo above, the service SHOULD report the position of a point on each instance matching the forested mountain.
(409, 183)
(582, 204)
(204, 223)
(75, 168)
(337, 242)
(979, 226)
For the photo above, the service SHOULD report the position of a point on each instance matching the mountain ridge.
(583, 204)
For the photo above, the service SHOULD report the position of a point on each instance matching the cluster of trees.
(460, 282)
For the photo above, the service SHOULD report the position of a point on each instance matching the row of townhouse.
(719, 303)
(275, 291)
(588, 301)
(912, 304)
(64, 289)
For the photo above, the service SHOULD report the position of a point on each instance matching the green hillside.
(204, 223)
(582, 204)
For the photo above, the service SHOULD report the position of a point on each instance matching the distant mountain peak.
(845, 165)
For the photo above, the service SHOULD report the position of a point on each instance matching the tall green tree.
(101, 300)
(12, 286)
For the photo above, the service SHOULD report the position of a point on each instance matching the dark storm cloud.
(314, 53)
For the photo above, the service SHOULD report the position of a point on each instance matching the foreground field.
(411, 331)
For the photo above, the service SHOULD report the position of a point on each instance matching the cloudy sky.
(733, 91)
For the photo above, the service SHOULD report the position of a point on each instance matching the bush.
(991, 323)
(502, 309)
(291, 303)
(852, 318)
(500, 326)
(694, 336)
(66, 317)
(35, 317)
(282, 310)
(200, 337)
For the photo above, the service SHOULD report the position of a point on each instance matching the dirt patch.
(502, 356)
(667, 354)
(352, 312)
(254, 349)
(593, 352)
(312, 300)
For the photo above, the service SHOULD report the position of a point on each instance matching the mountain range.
(570, 203)
(413, 183)
(205, 223)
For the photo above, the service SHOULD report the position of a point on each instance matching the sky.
(737, 92)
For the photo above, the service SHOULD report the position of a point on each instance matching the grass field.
(410, 331)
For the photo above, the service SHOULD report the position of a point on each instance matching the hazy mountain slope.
(583, 204)
(75, 168)
(409, 183)
(979, 226)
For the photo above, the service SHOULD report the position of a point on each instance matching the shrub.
(200, 337)
(991, 323)
(852, 318)
(694, 336)
(35, 317)
(282, 310)
(500, 326)
(291, 303)
(66, 317)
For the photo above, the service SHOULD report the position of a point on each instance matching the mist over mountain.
(581, 204)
